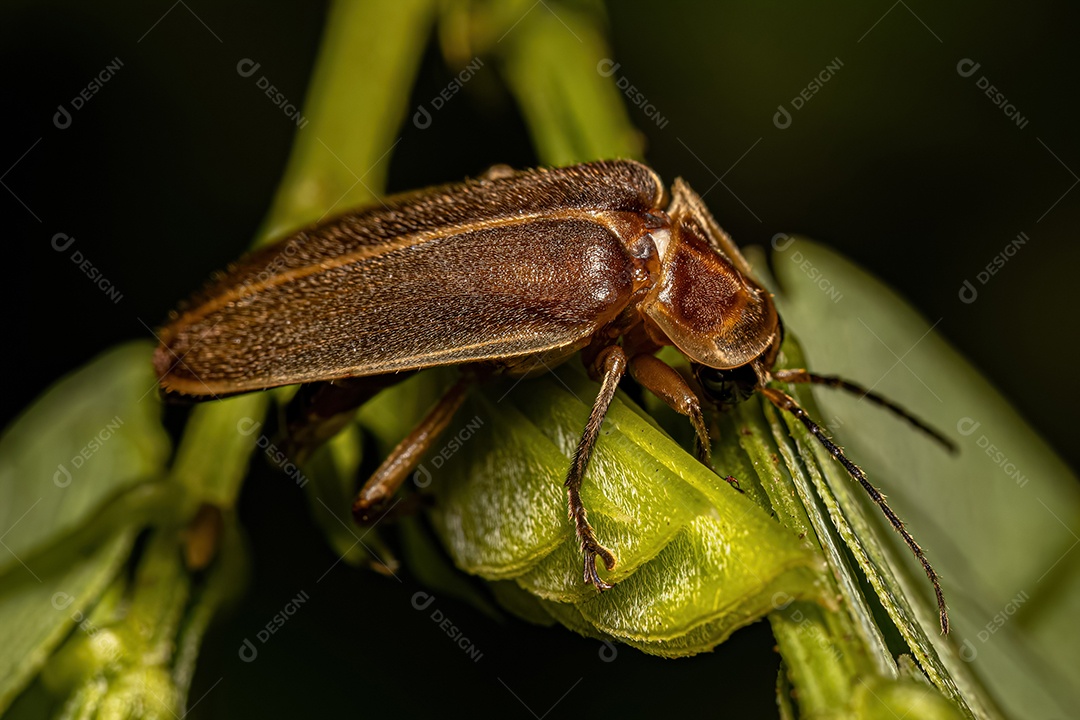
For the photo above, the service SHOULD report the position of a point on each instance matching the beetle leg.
(390, 475)
(611, 362)
(318, 411)
(666, 383)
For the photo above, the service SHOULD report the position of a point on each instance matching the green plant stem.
(574, 113)
(357, 99)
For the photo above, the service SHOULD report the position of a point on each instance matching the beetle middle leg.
(391, 474)
(611, 364)
(666, 383)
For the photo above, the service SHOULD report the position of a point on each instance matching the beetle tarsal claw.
(592, 577)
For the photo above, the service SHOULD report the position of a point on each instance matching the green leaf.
(133, 650)
(877, 699)
(36, 614)
(851, 524)
(92, 435)
(696, 558)
(999, 523)
(73, 470)
(90, 497)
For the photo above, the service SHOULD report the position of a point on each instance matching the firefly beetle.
(509, 273)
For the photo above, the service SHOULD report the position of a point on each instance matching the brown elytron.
(513, 273)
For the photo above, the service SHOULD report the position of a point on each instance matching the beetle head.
(726, 388)
(705, 301)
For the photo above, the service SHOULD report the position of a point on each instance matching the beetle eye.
(726, 388)
(645, 247)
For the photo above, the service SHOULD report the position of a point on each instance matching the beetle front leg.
(611, 362)
(391, 474)
(666, 383)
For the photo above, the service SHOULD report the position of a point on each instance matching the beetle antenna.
(803, 376)
(785, 402)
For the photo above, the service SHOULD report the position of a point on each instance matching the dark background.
(898, 162)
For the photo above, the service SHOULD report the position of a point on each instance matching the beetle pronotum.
(508, 273)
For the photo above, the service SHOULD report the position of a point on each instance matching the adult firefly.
(510, 273)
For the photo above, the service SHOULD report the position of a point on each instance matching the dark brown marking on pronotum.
(510, 273)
